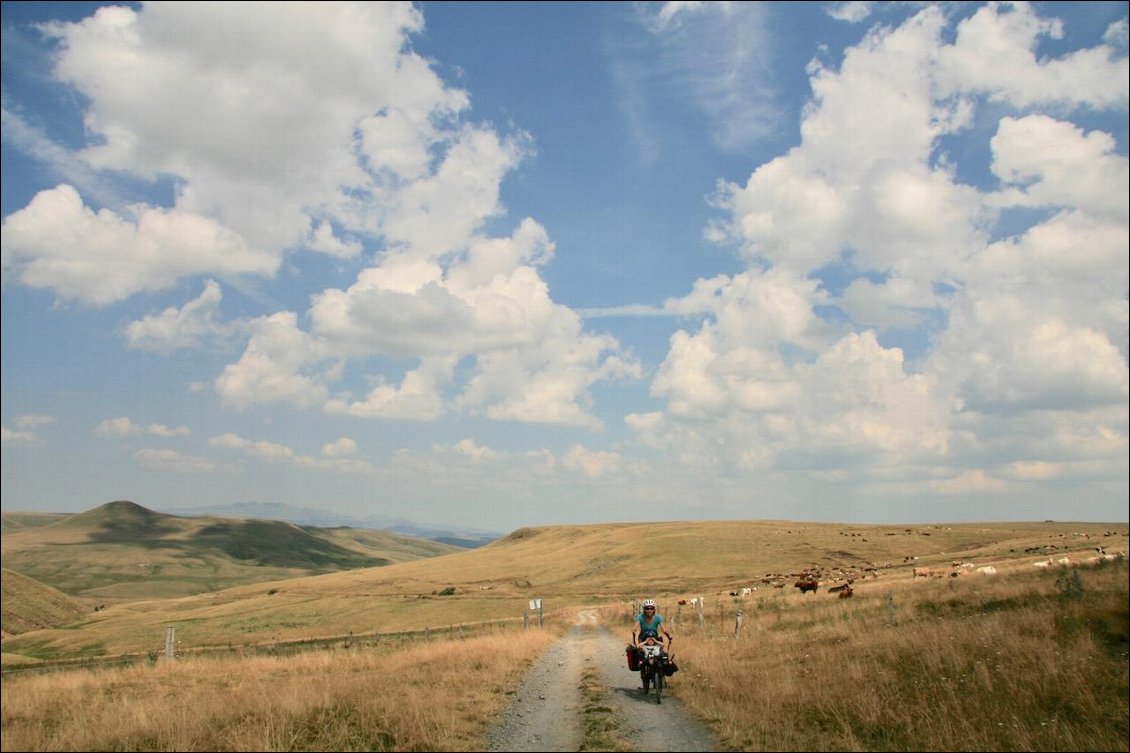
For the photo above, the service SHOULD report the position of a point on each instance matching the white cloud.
(1056, 164)
(124, 426)
(337, 460)
(718, 56)
(342, 447)
(171, 460)
(215, 98)
(15, 438)
(160, 430)
(417, 398)
(532, 360)
(1031, 338)
(32, 421)
(589, 462)
(853, 11)
(117, 428)
(970, 482)
(994, 54)
(103, 257)
(280, 364)
(174, 328)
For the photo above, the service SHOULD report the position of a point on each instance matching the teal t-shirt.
(649, 628)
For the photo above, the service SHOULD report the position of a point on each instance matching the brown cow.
(846, 593)
(806, 585)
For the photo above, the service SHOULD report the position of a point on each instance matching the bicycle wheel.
(645, 676)
(659, 683)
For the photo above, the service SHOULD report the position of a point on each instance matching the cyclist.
(649, 625)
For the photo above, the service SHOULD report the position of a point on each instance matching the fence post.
(170, 641)
(738, 626)
(526, 619)
(698, 610)
(891, 608)
(427, 632)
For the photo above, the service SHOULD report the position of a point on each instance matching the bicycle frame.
(651, 669)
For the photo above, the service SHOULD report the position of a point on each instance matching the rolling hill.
(123, 551)
(566, 566)
(26, 604)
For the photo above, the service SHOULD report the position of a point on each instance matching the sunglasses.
(649, 609)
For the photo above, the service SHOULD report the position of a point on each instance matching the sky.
(505, 264)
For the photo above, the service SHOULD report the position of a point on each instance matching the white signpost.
(535, 606)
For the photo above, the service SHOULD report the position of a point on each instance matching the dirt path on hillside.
(547, 712)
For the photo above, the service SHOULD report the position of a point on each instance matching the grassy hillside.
(123, 551)
(26, 604)
(16, 521)
(565, 566)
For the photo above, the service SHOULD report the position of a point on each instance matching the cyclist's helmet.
(649, 603)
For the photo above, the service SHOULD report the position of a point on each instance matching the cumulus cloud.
(589, 462)
(15, 438)
(785, 373)
(124, 427)
(117, 428)
(103, 257)
(994, 55)
(342, 447)
(172, 91)
(178, 328)
(391, 175)
(32, 420)
(337, 456)
(171, 460)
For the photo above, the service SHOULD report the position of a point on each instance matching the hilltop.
(124, 551)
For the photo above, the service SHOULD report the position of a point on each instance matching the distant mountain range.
(468, 538)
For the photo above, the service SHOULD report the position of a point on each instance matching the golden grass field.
(122, 552)
(1029, 659)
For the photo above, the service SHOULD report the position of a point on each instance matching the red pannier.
(635, 655)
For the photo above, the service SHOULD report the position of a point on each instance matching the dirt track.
(547, 713)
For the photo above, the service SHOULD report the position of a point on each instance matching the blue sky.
(505, 264)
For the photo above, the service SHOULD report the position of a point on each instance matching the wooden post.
(170, 642)
(738, 626)
(891, 609)
(427, 632)
(698, 609)
(526, 619)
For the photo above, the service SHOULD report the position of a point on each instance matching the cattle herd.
(838, 581)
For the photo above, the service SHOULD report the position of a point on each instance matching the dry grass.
(1036, 662)
(433, 696)
(1030, 660)
(565, 565)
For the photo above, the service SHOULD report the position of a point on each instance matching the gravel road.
(547, 712)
